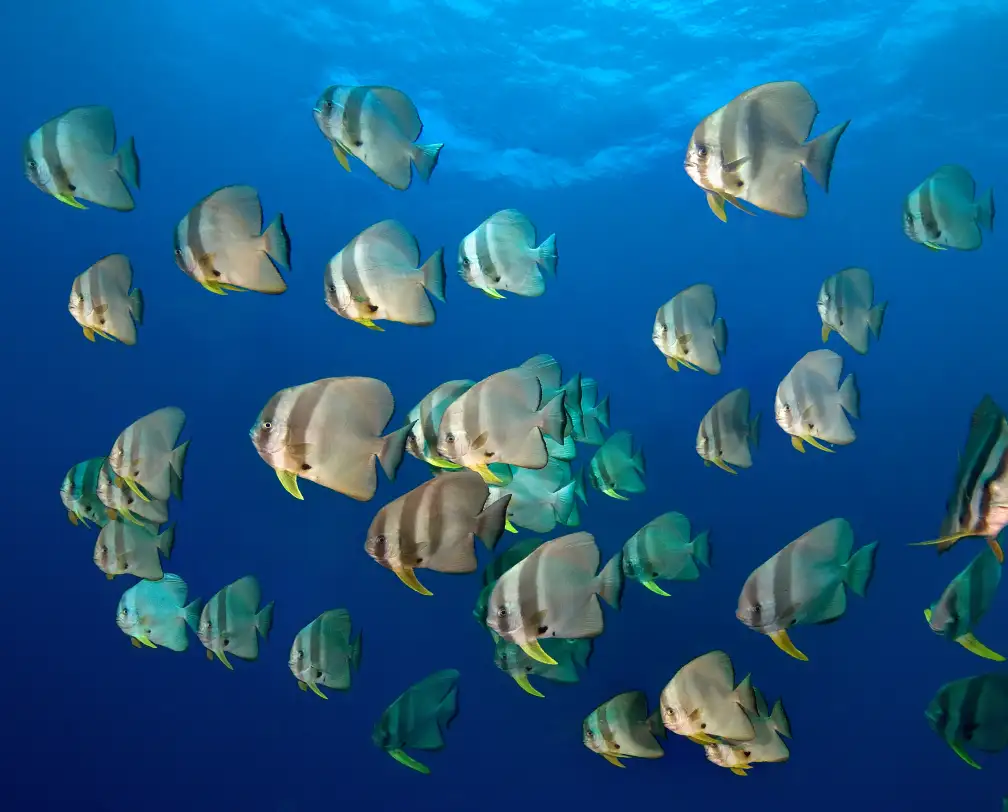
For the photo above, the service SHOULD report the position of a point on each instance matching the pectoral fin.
(523, 683)
(825, 332)
(135, 643)
(408, 577)
(655, 588)
(784, 643)
(537, 653)
(935, 247)
(289, 481)
(73, 517)
(89, 334)
(738, 770)
(673, 364)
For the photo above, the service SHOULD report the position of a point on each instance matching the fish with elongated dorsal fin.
(569, 654)
(125, 548)
(322, 653)
(418, 719)
(846, 307)
(727, 431)
(965, 601)
(155, 613)
(971, 712)
(79, 493)
(230, 620)
(102, 302)
(812, 405)
(943, 211)
(663, 550)
(616, 467)
(501, 255)
(622, 728)
(702, 703)
(687, 333)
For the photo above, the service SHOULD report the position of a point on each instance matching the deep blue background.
(223, 96)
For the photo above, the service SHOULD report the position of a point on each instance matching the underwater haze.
(577, 114)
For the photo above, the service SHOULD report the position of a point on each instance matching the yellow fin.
(89, 334)
(784, 643)
(441, 462)
(673, 364)
(129, 517)
(734, 201)
(74, 518)
(136, 489)
(493, 294)
(688, 365)
(302, 685)
(720, 463)
(213, 287)
(223, 658)
(613, 760)
(232, 288)
(70, 200)
(488, 476)
(370, 325)
(289, 480)
(797, 443)
(143, 638)
(536, 652)
(614, 495)
(341, 156)
(935, 247)
(825, 332)
(408, 577)
(812, 441)
(315, 690)
(974, 646)
(738, 770)
(408, 761)
(959, 751)
(702, 738)
(716, 203)
(135, 643)
(109, 576)
(655, 588)
(943, 540)
(509, 527)
(523, 682)
(995, 546)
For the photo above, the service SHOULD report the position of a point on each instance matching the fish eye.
(449, 438)
(32, 164)
(746, 753)
(703, 725)
(465, 262)
(327, 104)
(178, 253)
(332, 287)
(267, 425)
(701, 150)
(502, 612)
(123, 613)
(380, 539)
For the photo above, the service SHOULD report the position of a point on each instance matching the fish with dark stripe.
(230, 620)
(702, 703)
(125, 548)
(501, 255)
(155, 613)
(971, 712)
(79, 493)
(943, 211)
(846, 307)
(322, 653)
(664, 549)
(727, 431)
(812, 405)
(965, 601)
(569, 654)
(622, 728)
(102, 303)
(145, 457)
(616, 467)
(766, 747)
(418, 718)
(687, 333)
(425, 418)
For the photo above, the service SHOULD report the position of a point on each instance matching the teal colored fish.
(965, 601)
(495, 569)
(662, 550)
(230, 620)
(593, 417)
(569, 654)
(425, 418)
(418, 719)
(155, 613)
(322, 653)
(79, 493)
(540, 498)
(972, 712)
(617, 467)
(622, 728)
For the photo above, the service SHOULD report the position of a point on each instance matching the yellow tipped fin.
(655, 588)
(935, 247)
(371, 325)
(70, 200)
(974, 646)
(509, 527)
(143, 638)
(408, 761)
(493, 294)
(959, 751)
(89, 334)
(441, 462)
(341, 156)
(673, 364)
(74, 518)
(614, 495)
(213, 287)
(613, 760)
(784, 643)
(289, 481)
(536, 652)
(408, 577)
(223, 658)
(315, 690)
(738, 770)
(488, 476)
(523, 682)
(720, 463)
(995, 546)
(135, 643)
(950, 540)
(136, 489)
(716, 203)
(702, 738)
(812, 441)
(825, 332)
(302, 685)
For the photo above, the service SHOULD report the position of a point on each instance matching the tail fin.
(490, 523)
(754, 430)
(637, 460)
(720, 335)
(355, 652)
(434, 275)
(701, 548)
(177, 465)
(137, 305)
(985, 210)
(425, 158)
(859, 570)
(278, 242)
(850, 396)
(393, 446)
(875, 317)
(553, 417)
(611, 581)
(192, 614)
(655, 724)
(128, 164)
(264, 620)
(819, 154)
(166, 541)
(779, 719)
(563, 502)
(581, 485)
(602, 411)
(547, 255)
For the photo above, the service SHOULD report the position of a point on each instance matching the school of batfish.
(501, 449)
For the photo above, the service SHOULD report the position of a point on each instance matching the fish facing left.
(230, 620)
(155, 613)
(102, 302)
(73, 156)
(812, 405)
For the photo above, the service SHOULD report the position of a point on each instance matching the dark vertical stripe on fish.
(966, 520)
(605, 728)
(352, 115)
(483, 256)
(193, 237)
(314, 653)
(351, 276)
(752, 136)
(306, 402)
(53, 160)
(929, 218)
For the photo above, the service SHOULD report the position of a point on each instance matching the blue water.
(579, 118)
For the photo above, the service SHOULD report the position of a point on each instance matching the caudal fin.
(611, 581)
(166, 541)
(859, 570)
(177, 466)
(393, 446)
(192, 614)
(355, 652)
(819, 154)
(985, 210)
(754, 425)
(721, 335)
(701, 548)
(264, 620)
(425, 158)
(136, 305)
(553, 418)
(434, 275)
(850, 396)
(875, 318)
(278, 242)
(546, 255)
(563, 502)
(128, 164)
(779, 719)
(656, 725)
(490, 523)
(581, 484)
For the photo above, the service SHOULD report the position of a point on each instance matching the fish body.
(594, 414)
(79, 493)
(434, 526)
(568, 654)
(221, 244)
(539, 498)
(616, 467)
(121, 501)
(845, 305)
(727, 431)
(971, 712)
(754, 149)
(230, 620)
(419, 718)
(766, 746)
(663, 550)
(146, 458)
(943, 211)
(378, 277)
(965, 601)
(554, 592)
(102, 303)
(322, 653)
(702, 703)
(687, 333)
(804, 583)
(501, 255)
(73, 156)
(125, 548)
(425, 418)
(329, 432)
(379, 126)
(622, 728)
(812, 406)
(155, 613)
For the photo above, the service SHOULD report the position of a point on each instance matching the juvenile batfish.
(978, 505)
(810, 402)
(502, 418)
(701, 702)
(616, 467)
(502, 255)
(221, 244)
(155, 613)
(540, 498)
(101, 301)
(727, 431)
(662, 550)
(554, 592)
(804, 583)
(378, 126)
(766, 746)
(622, 728)
(121, 502)
(845, 307)
(568, 654)
(971, 712)
(943, 213)
(419, 718)
(965, 601)
(425, 418)
(145, 457)
(434, 527)
(754, 149)
(79, 493)
(329, 432)
(322, 653)
(594, 414)
(230, 620)
(687, 333)
(124, 548)
(376, 278)
(73, 156)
